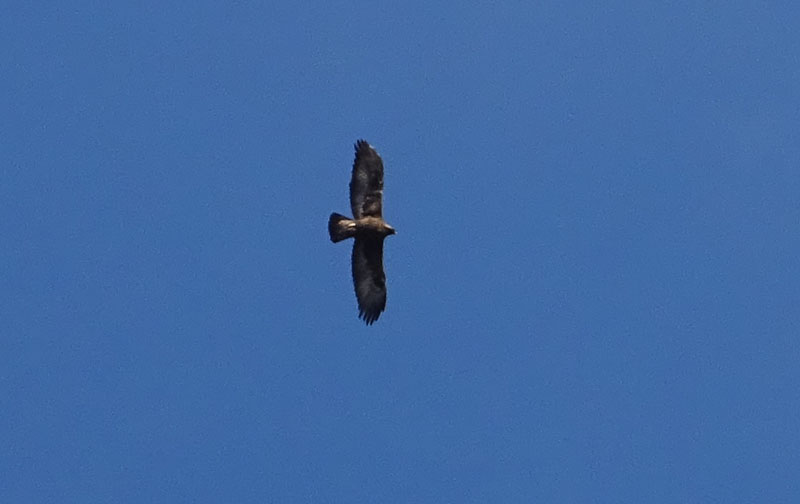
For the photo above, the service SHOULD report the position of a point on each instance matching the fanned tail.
(340, 227)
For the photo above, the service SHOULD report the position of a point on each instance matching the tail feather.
(340, 227)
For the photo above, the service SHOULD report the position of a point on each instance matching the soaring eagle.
(368, 228)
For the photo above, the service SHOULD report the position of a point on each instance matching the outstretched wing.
(368, 278)
(366, 184)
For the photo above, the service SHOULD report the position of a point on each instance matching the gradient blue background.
(593, 293)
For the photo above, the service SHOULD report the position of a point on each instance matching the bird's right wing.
(366, 183)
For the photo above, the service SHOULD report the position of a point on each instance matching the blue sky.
(592, 293)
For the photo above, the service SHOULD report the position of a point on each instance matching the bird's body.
(368, 229)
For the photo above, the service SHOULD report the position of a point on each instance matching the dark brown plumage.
(369, 230)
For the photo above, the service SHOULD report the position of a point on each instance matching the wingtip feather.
(369, 318)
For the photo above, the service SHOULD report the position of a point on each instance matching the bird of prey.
(369, 230)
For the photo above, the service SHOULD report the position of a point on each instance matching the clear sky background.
(593, 292)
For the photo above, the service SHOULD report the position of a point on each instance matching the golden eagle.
(368, 228)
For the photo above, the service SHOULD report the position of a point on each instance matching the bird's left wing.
(368, 278)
